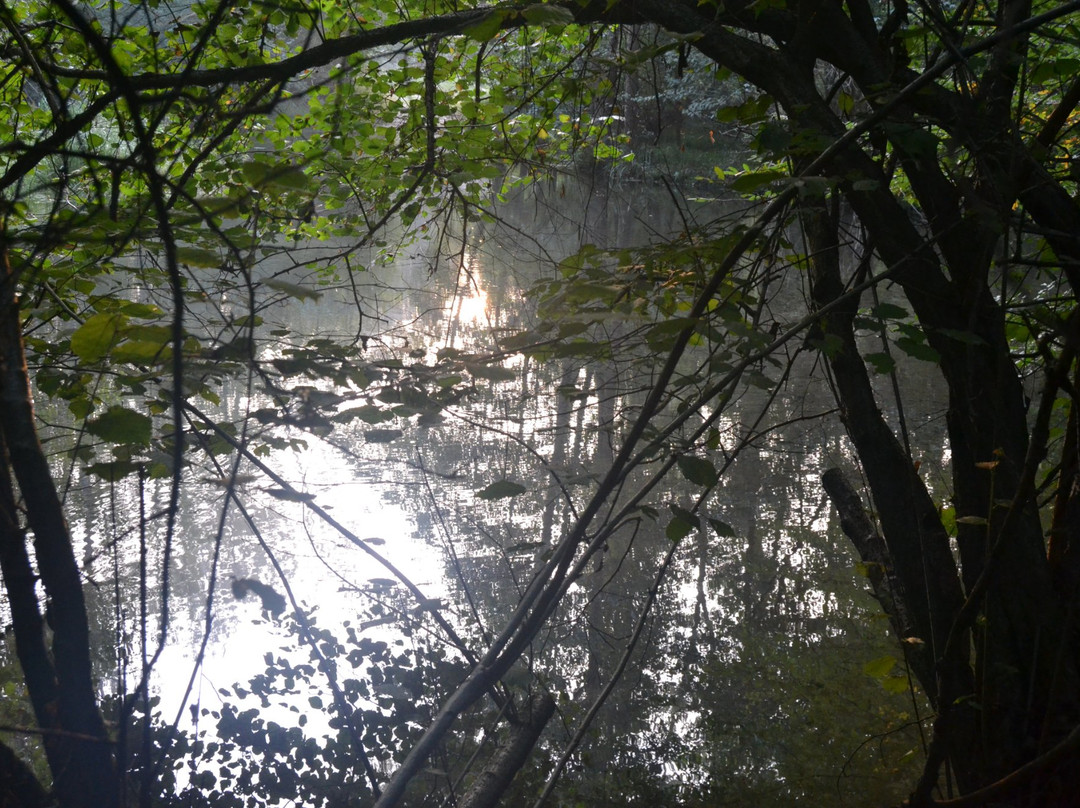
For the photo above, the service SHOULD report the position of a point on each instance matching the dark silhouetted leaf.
(382, 435)
(698, 470)
(501, 490)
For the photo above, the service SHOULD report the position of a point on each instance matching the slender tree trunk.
(79, 752)
(493, 781)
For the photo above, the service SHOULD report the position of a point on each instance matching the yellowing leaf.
(895, 684)
(93, 339)
(880, 668)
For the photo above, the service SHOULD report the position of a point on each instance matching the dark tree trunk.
(79, 751)
(19, 787)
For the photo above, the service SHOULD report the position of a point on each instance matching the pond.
(749, 663)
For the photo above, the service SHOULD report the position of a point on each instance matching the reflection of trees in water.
(740, 668)
(742, 658)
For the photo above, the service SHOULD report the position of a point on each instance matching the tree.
(927, 151)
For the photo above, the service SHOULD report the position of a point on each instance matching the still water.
(762, 633)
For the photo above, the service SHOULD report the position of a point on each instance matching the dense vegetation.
(912, 193)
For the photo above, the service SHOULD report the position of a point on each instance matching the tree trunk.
(493, 781)
(79, 752)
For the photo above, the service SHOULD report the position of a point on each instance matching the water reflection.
(761, 631)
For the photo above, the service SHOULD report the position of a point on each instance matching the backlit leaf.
(93, 339)
(879, 668)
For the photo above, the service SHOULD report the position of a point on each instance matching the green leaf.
(948, 519)
(685, 515)
(487, 27)
(1054, 70)
(682, 524)
(287, 495)
(698, 470)
(140, 311)
(120, 425)
(889, 311)
(966, 337)
(287, 177)
(753, 180)
(501, 490)
(198, 257)
(881, 667)
(915, 140)
(918, 350)
(93, 339)
(881, 362)
(662, 335)
(979, 521)
(369, 414)
(547, 15)
(895, 684)
(829, 344)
